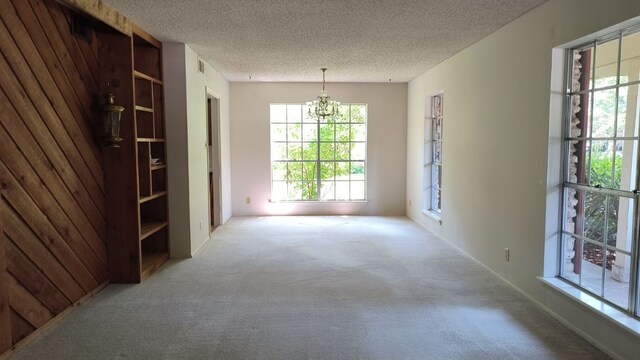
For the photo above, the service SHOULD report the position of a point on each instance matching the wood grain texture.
(26, 305)
(89, 248)
(30, 70)
(60, 66)
(53, 250)
(73, 171)
(5, 311)
(122, 209)
(19, 152)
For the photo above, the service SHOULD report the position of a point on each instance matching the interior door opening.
(213, 163)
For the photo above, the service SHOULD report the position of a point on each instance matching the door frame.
(214, 161)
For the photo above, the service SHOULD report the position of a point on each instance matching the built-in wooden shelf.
(153, 196)
(145, 109)
(151, 140)
(150, 228)
(152, 262)
(141, 75)
(140, 243)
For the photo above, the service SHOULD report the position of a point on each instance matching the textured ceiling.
(290, 40)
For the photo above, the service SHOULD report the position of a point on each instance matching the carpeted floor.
(314, 288)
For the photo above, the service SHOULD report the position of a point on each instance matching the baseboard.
(44, 328)
(558, 317)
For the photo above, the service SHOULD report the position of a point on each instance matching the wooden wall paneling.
(55, 223)
(30, 69)
(79, 99)
(26, 305)
(116, 62)
(37, 235)
(5, 316)
(31, 277)
(79, 49)
(63, 16)
(20, 328)
(64, 40)
(62, 208)
(46, 140)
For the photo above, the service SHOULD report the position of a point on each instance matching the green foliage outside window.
(330, 152)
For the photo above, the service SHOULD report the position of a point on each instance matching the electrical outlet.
(506, 254)
(247, 200)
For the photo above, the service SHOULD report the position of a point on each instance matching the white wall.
(386, 149)
(186, 93)
(496, 141)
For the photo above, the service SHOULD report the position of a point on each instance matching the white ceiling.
(290, 40)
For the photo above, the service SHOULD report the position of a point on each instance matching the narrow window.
(318, 159)
(432, 171)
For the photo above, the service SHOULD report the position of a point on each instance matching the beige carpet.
(314, 288)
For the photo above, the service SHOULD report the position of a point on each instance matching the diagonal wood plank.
(64, 73)
(87, 48)
(28, 66)
(30, 245)
(19, 265)
(22, 150)
(15, 163)
(46, 140)
(26, 305)
(20, 328)
(5, 325)
(31, 218)
(64, 44)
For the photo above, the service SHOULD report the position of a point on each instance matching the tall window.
(432, 170)
(600, 198)
(318, 160)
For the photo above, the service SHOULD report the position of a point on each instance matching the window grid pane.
(601, 172)
(318, 160)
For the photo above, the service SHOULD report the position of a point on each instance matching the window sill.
(433, 216)
(620, 318)
(319, 201)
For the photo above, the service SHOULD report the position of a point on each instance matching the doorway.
(213, 161)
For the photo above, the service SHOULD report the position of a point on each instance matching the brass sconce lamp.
(110, 115)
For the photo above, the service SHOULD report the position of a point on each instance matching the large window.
(432, 169)
(318, 159)
(600, 193)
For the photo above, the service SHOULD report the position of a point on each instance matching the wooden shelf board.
(141, 75)
(151, 140)
(148, 229)
(145, 109)
(152, 262)
(155, 195)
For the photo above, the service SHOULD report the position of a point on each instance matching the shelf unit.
(151, 150)
(136, 173)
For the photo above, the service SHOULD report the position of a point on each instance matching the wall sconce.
(110, 116)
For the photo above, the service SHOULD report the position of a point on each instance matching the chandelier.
(323, 106)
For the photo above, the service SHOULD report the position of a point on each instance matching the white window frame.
(432, 156)
(356, 182)
(570, 184)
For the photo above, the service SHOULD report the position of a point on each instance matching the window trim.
(318, 160)
(601, 305)
(428, 142)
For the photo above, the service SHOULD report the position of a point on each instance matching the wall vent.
(81, 27)
(200, 66)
